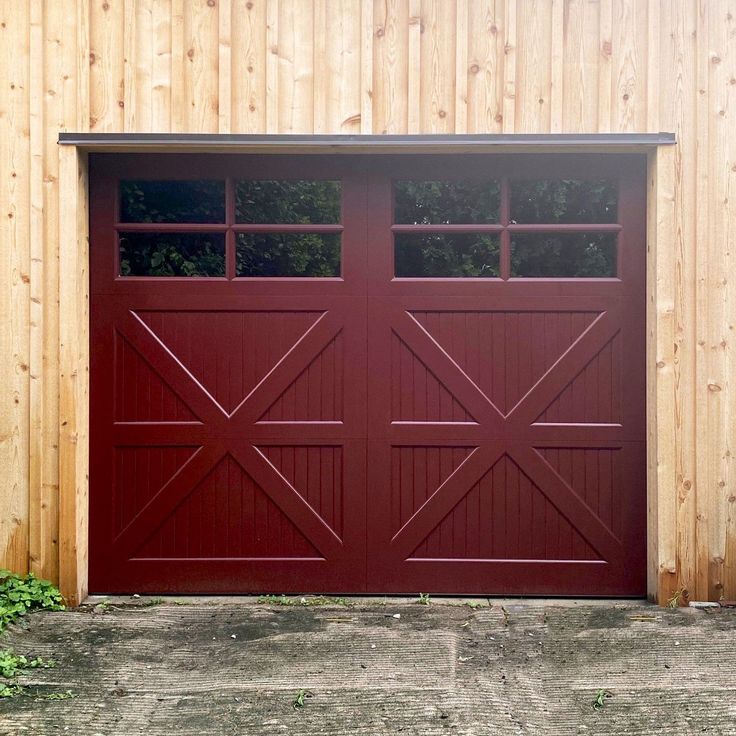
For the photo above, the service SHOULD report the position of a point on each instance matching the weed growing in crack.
(674, 601)
(600, 699)
(11, 664)
(318, 600)
(299, 699)
(57, 696)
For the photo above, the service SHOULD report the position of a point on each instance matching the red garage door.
(368, 374)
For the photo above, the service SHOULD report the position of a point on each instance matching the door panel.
(228, 414)
(506, 455)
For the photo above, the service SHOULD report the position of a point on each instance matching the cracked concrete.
(234, 666)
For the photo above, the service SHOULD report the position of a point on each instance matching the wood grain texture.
(383, 66)
(201, 66)
(248, 60)
(73, 378)
(391, 89)
(295, 52)
(437, 64)
(585, 65)
(15, 292)
(484, 90)
(661, 379)
(73, 310)
(107, 75)
(41, 552)
(533, 81)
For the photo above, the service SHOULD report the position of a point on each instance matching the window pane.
(289, 254)
(172, 201)
(565, 255)
(445, 256)
(564, 201)
(288, 202)
(446, 202)
(172, 254)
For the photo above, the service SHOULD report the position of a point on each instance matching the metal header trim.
(347, 143)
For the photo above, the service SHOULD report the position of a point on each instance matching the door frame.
(74, 315)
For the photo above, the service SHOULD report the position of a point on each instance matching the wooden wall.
(387, 66)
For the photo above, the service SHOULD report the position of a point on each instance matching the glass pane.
(446, 202)
(550, 201)
(446, 256)
(566, 255)
(172, 201)
(172, 254)
(288, 202)
(288, 254)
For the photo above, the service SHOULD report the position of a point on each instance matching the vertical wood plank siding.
(382, 66)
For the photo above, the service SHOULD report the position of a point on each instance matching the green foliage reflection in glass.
(288, 254)
(550, 201)
(287, 202)
(172, 254)
(172, 201)
(439, 255)
(567, 255)
(446, 202)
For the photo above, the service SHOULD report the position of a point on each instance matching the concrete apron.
(375, 666)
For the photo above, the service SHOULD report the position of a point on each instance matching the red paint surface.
(368, 434)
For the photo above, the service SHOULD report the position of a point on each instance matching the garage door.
(360, 374)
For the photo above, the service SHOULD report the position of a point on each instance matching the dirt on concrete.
(500, 667)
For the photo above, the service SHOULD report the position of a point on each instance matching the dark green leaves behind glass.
(172, 201)
(287, 202)
(440, 255)
(172, 254)
(550, 201)
(446, 202)
(564, 255)
(288, 254)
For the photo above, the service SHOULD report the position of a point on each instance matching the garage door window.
(447, 229)
(288, 254)
(563, 255)
(560, 201)
(288, 228)
(288, 202)
(437, 255)
(563, 228)
(446, 202)
(261, 228)
(536, 228)
(172, 254)
(172, 201)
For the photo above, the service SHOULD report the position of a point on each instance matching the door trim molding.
(74, 335)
